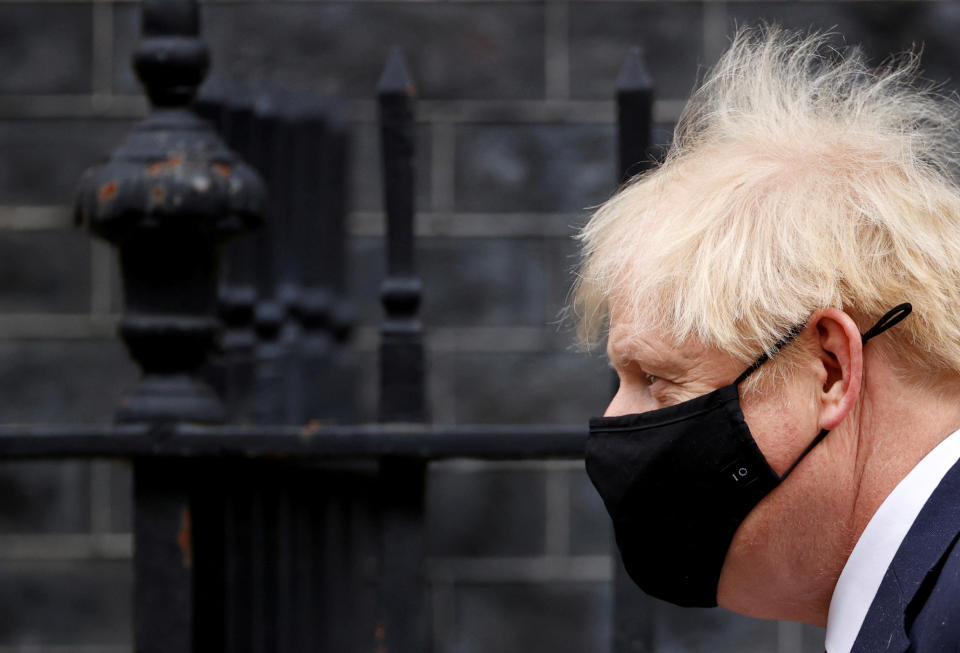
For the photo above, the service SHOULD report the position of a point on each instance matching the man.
(783, 301)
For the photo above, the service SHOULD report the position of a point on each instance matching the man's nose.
(626, 401)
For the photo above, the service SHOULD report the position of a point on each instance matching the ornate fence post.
(402, 623)
(169, 196)
(633, 617)
(319, 194)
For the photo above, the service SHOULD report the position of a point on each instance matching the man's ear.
(840, 364)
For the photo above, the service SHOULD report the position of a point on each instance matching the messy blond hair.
(798, 179)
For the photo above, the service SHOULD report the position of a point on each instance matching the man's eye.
(651, 379)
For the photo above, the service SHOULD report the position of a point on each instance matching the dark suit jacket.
(917, 607)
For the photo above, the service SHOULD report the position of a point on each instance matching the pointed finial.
(395, 79)
(634, 74)
(634, 116)
(171, 59)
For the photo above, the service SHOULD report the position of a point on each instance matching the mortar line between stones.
(495, 339)
(33, 326)
(465, 466)
(100, 509)
(442, 164)
(534, 569)
(361, 111)
(556, 51)
(473, 224)
(102, 69)
(55, 648)
(34, 217)
(66, 546)
(101, 268)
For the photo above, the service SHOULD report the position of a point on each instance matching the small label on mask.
(739, 473)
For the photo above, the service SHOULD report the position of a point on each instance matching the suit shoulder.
(933, 617)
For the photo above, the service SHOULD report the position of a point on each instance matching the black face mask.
(678, 482)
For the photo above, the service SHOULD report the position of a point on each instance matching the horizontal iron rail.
(365, 441)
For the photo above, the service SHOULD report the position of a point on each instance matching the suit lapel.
(934, 531)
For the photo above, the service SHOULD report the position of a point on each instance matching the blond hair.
(798, 179)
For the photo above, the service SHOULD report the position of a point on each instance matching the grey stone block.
(467, 282)
(62, 380)
(44, 271)
(882, 28)
(44, 497)
(591, 532)
(366, 177)
(474, 50)
(553, 388)
(485, 513)
(45, 48)
(42, 160)
(534, 167)
(681, 630)
(121, 497)
(601, 34)
(547, 618)
(66, 603)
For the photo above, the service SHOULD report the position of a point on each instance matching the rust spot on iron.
(107, 192)
(311, 428)
(380, 636)
(185, 538)
(222, 169)
(159, 166)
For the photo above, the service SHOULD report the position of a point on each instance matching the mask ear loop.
(891, 318)
(777, 346)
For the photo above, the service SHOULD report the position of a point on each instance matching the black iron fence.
(265, 519)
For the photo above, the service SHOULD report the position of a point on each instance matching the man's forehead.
(626, 343)
(634, 337)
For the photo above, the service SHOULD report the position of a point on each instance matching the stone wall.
(515, 142)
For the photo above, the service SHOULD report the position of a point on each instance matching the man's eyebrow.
(623, 355)
(620, 353)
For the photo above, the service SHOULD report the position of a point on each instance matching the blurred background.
(515, 143)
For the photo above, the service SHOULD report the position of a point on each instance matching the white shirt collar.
(874, 551)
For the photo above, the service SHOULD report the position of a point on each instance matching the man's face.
(655, 372)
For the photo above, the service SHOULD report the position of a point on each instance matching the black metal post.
(633, 611)
(402, 620)
(401, 349)
(320, 150)
(634, 116)
(269, 311)
(168, 198)
(288, 256)
(238, 292)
